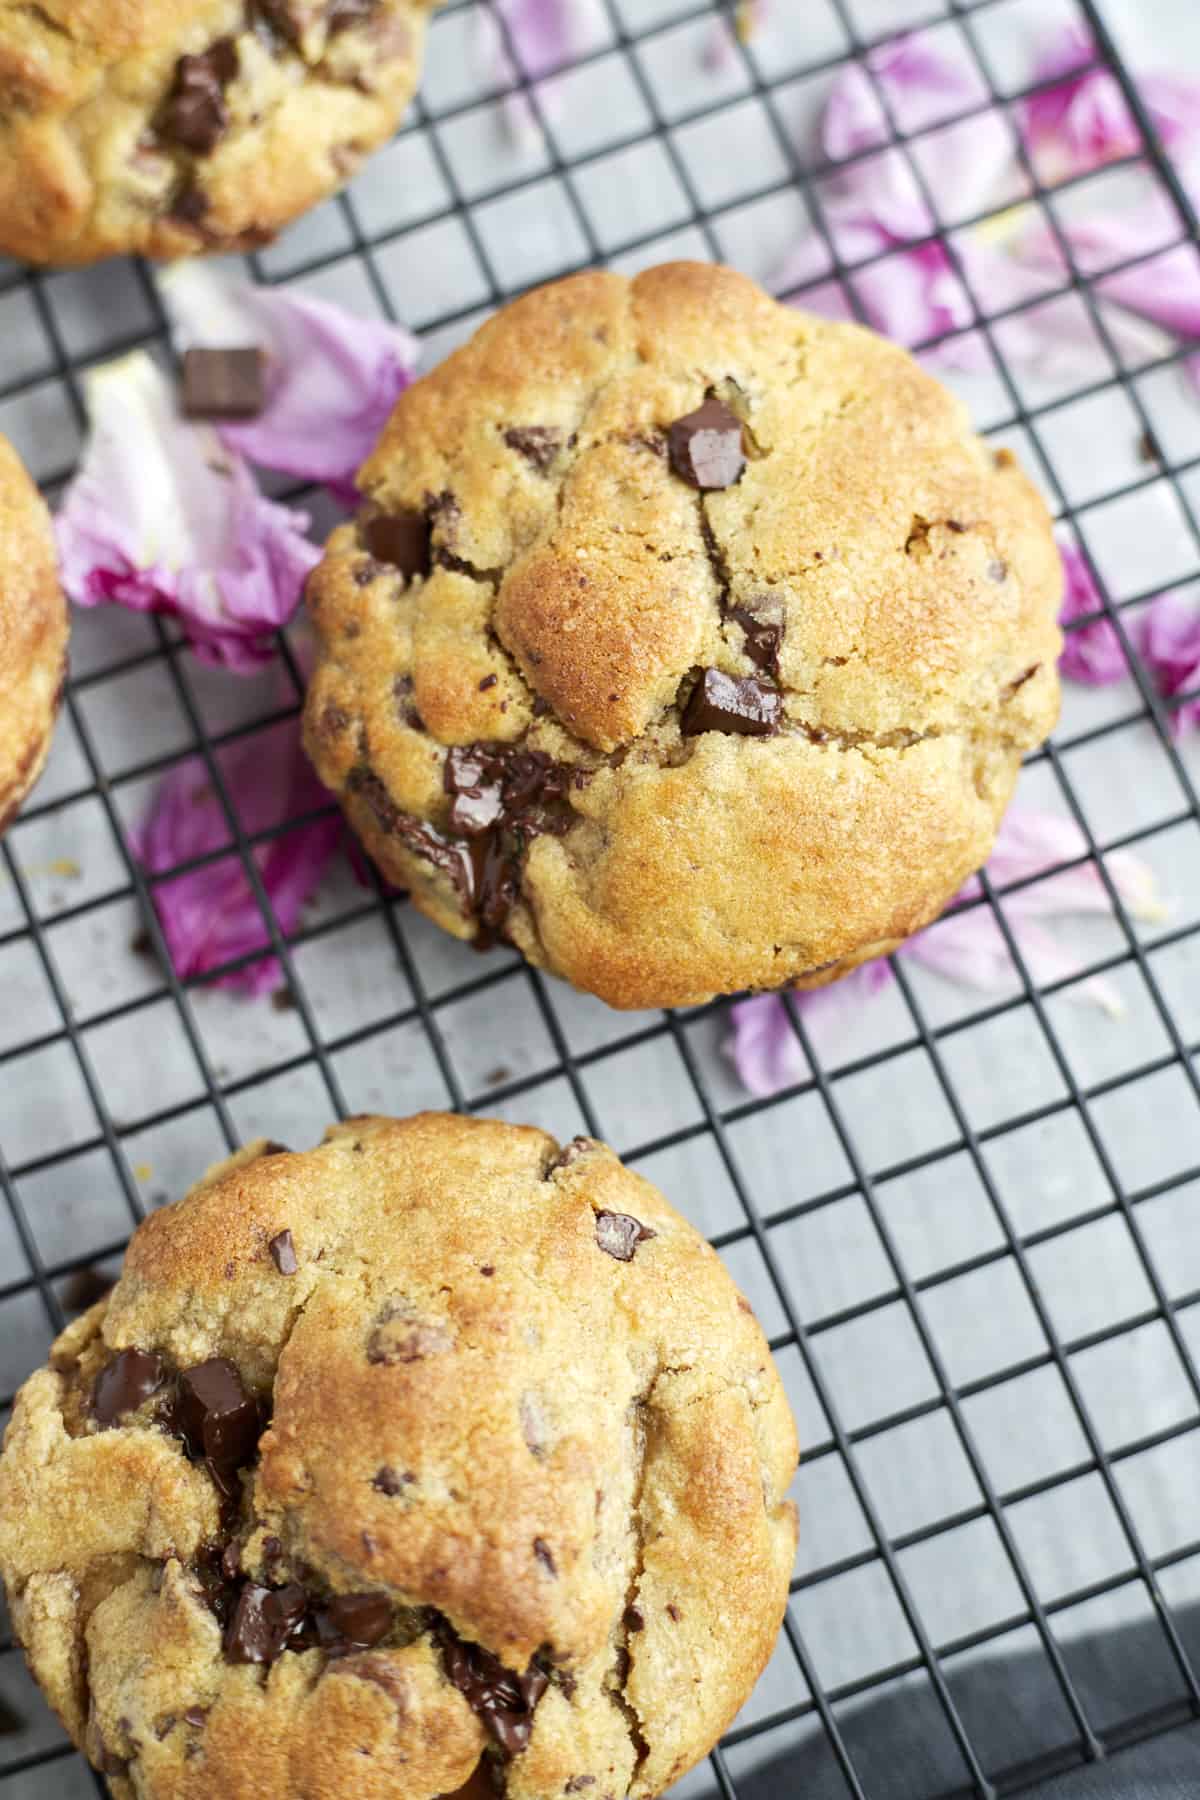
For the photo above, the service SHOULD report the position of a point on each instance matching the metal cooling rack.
(969, 1231)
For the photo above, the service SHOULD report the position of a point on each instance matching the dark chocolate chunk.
(190, 205)
(223, 384)
(475, 779)
(124, 1383)
(673, 1613)
(545, 1555)
(706, 446)
(578, 1783)
(283, 1253)
(387, 1481)
(272, 1148)
(217, 1419)
(195, 115)
(739, 704)
(263, 1621)
(489, 681)
(196, 1716)
(633, 1619)
(504, 1702)
(538, 444)
(763, 636)
(570, 1153)
(353, 1622)
(618, 1234)
(401, 540)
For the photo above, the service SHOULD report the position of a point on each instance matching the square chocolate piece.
(223, 384)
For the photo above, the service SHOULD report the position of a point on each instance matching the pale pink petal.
(332, 377)
(545, 36)
(1092, 653)
(210, 915)
(162, 517)
(1084, 120)
(923, 80)
(764, 1046)
(970, 948)
(1168, 642)
(1031, 842)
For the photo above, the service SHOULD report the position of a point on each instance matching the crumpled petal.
(966, 945)
(210, 915)
(162, 517)
(1084, 121)
(1168, 641)
(545, 36)
(924, 79)
(1092, 653)
(332, 377)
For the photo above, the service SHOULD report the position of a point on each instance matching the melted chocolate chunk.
(739, 704)
(191, 205)
(545, 1555)
(217, 1419)
(125, 1383)
(504, 1702)
(570, 1153)
(400, 540)
(263, 1621)
(706, 446)
(763, 636)
(618, 1235)
(538, 444)
(223, 384)
(476, 781)
(352, 1622)
(195, 115)
(283, 1253)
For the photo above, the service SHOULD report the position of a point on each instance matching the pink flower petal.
(210, 916)
(1168, 641)
(966, 945)
(924, 79)
(163, 518)
(332, 377)
(1092, 653)
(1084, 121)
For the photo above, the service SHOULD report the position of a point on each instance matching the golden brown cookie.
(174, 126)
(690, 642)
(435, 1453)
(33, 634)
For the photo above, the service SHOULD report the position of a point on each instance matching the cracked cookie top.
(175, 126)
(33, 634)
(687, 641)
(439, 1458)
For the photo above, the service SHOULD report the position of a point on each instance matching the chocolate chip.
(487, 1268)
(83, 1287)
(402, 688)
(353, 1622)
(542, 1551)
(263, 1621)
(400, 540)
(737, 704)
(673, 1613)
(633, 1619)
(489, 681)
(195, 115)
(283, 1253)
(475, 779)
(763, 636)
(272, 1148)
(618, 1234)
(223, 384)
(503, 1701)
(401, 1337)
(190, 205)
(125, 1383)
(196, 1716)
(538, 444)
(217, 1418)
(706, 446)
(578, 1783)
(570, 1153)
(387, 1481)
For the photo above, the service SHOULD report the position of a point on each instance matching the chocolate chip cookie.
(175, 126)
(437, 1460)
(688, 642)
(33, 634)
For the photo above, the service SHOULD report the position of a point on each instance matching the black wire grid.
(850, 1750)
